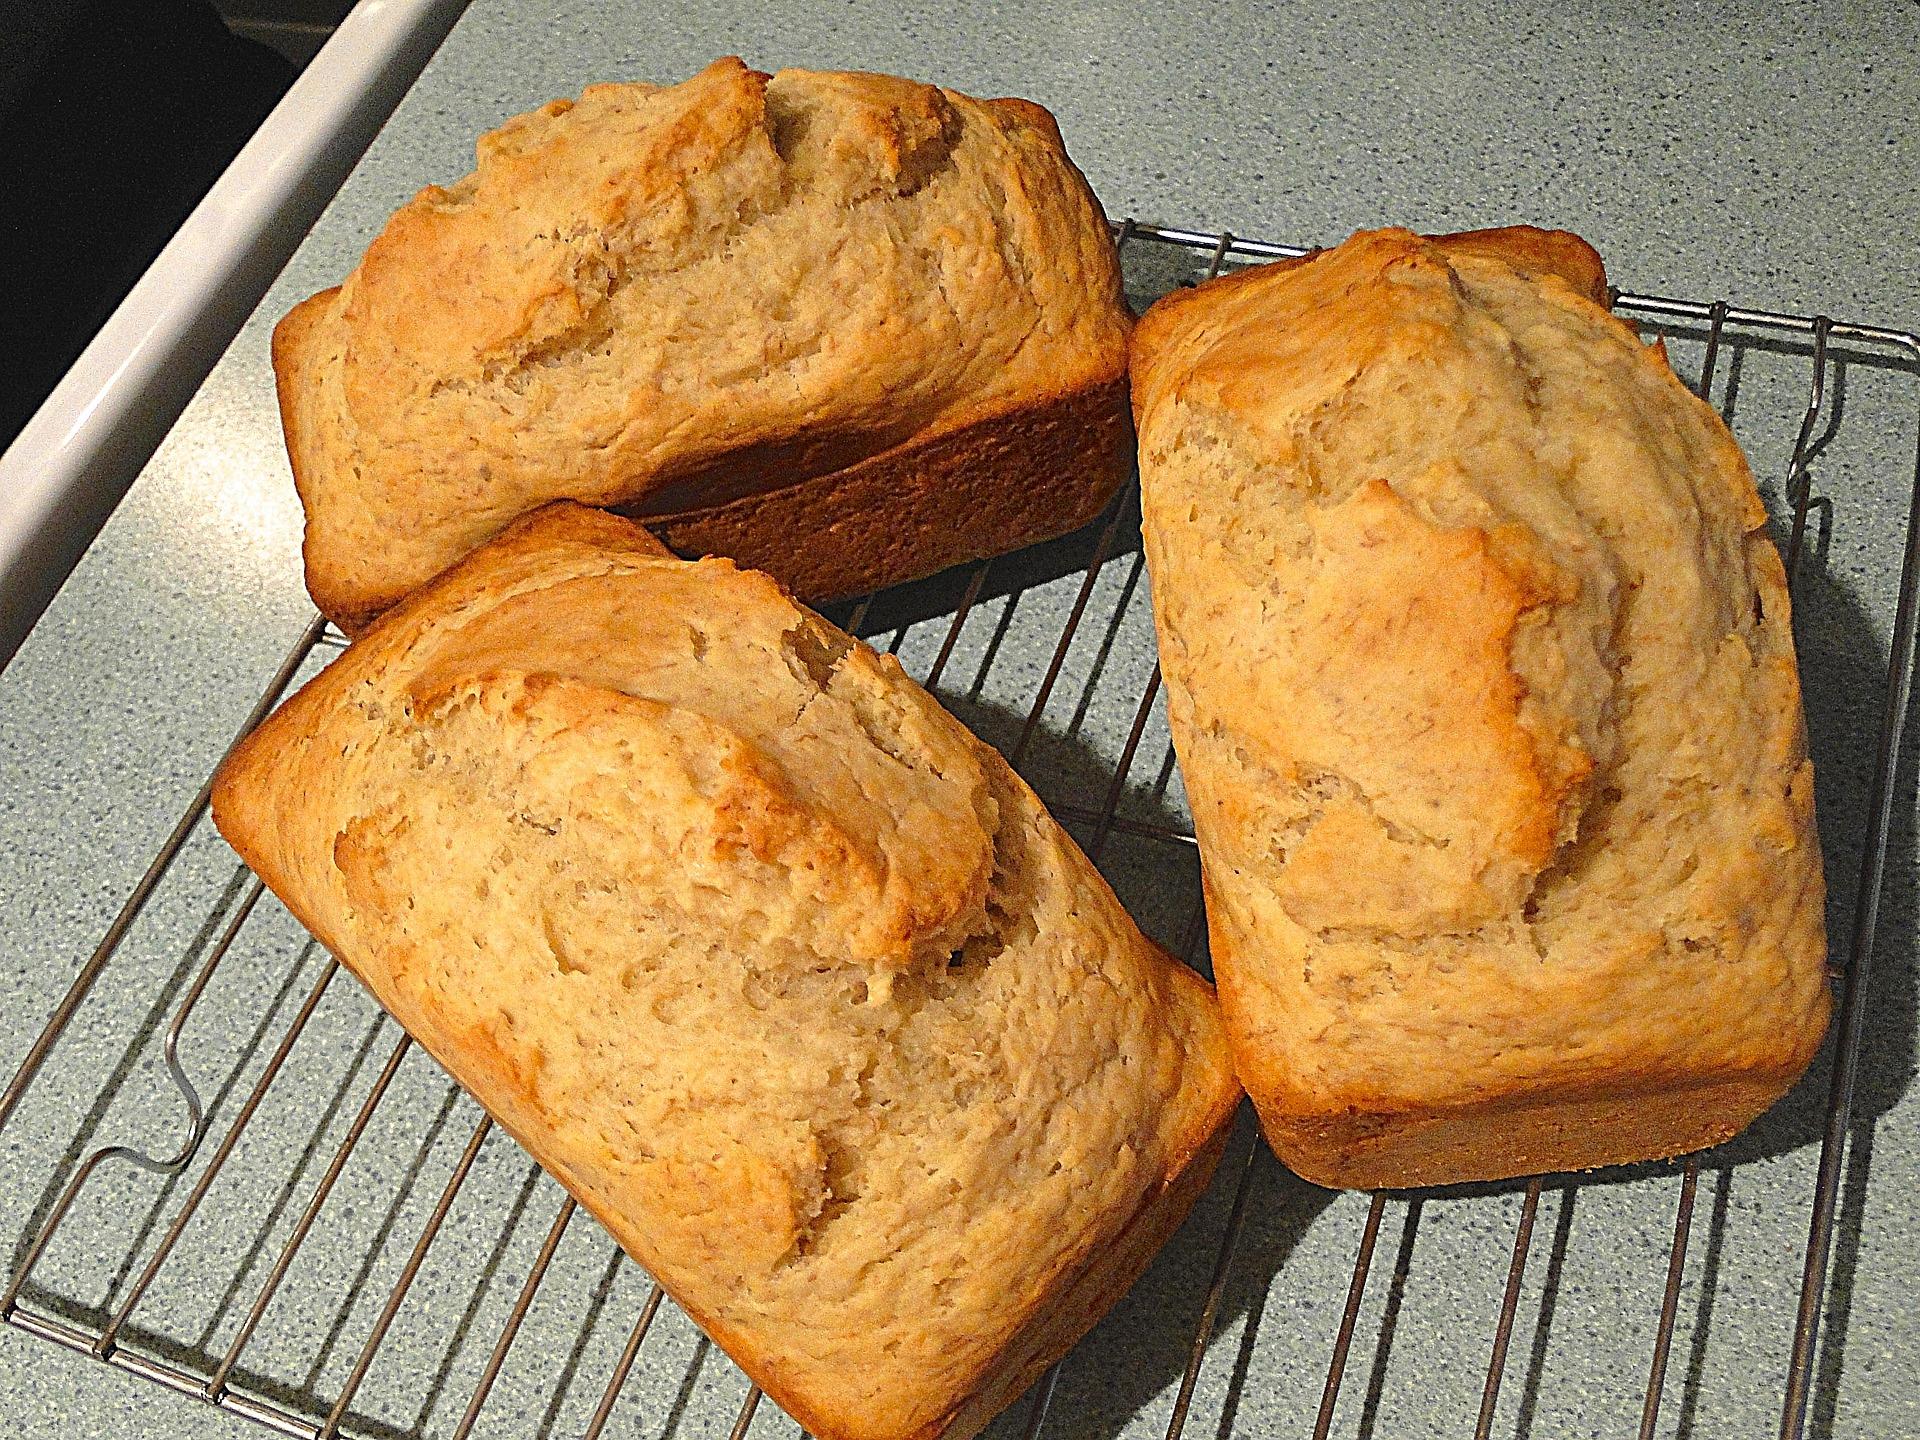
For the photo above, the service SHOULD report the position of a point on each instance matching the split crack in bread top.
(1482, 679)
(788, 978)
(846, 328)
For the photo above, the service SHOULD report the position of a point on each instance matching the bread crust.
(1505, 875)
(991, 486)
(744, 304)
(362, 808)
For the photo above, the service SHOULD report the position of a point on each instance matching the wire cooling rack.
(350, 1211)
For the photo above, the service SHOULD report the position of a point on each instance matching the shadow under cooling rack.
(253, 1191)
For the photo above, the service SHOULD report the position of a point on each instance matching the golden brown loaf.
(779, 970)
(846, 328)
(1483, 686)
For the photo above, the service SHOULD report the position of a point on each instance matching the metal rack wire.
(111, 1334)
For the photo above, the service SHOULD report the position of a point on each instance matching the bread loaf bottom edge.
(1516, 1136)
(998, 484)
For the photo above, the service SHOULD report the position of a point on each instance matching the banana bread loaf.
(845, 328)
(1483, 685)
(780, 971)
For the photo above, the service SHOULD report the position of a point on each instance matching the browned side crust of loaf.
(1533, 1134)
(989, 487)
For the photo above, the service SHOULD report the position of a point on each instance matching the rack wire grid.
(341, 1256)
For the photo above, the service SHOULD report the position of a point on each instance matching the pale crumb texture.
(1482, 678)
(669, 298)
(790, 979)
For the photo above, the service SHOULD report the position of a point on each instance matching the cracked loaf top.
(1480, 663)
(782, 972)
(663, 297)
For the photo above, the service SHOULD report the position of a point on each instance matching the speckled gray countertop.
(1757, 152)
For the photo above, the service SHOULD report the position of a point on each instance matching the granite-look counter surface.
(1737, 150)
